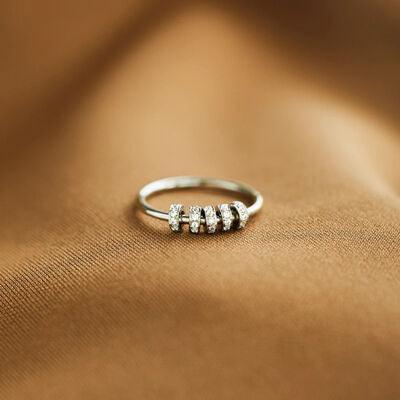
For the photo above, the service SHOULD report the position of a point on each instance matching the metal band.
(186, 182)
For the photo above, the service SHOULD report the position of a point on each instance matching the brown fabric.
(298, 99)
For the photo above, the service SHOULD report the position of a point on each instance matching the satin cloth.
(300, 100)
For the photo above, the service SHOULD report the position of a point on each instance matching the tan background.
(299, 99)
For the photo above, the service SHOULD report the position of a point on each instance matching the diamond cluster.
(194, 219)
(243, 213)
(174, 217)
(211, 219)
(228, 216)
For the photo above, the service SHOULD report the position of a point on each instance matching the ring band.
(228, 216)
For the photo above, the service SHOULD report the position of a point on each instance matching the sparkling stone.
(242, 213)
(194, 219)
(211, 219)
(174, 217)
(226, 216)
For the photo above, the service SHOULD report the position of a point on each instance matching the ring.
(225, 216)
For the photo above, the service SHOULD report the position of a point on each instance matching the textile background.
(299, 99)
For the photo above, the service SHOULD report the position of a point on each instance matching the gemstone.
(226, 216)
(211, 219)
(194, 219)
(242, 212)
(174, 217)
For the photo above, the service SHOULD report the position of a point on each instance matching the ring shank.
(186, 182)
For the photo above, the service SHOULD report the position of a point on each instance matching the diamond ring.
(225, 216)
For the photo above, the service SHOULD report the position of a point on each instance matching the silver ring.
(226, 216)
